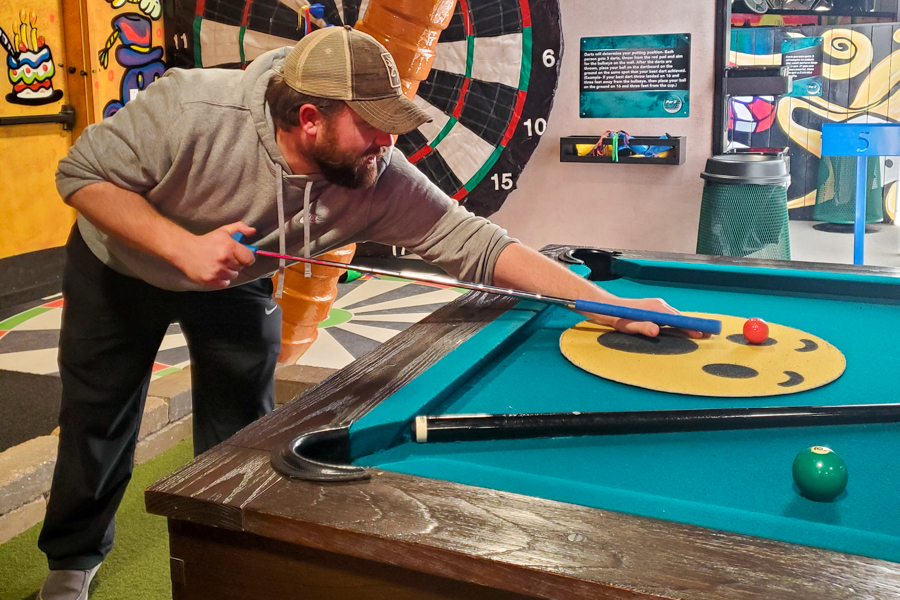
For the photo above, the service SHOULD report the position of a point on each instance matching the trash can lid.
(736, 169)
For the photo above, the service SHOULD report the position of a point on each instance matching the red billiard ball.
(756, 331)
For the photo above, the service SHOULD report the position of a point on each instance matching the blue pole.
(859, 222)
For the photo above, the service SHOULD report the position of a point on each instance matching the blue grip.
(239, 237)
(660, 318)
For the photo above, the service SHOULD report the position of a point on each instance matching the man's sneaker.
(67, 585)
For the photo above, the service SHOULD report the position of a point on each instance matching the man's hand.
(642, 327)
(520, 267)
(214, 260)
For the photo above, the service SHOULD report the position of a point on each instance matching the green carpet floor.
(138, 566)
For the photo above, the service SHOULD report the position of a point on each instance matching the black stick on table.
(452, 428)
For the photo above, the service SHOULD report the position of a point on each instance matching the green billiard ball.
(820, 473)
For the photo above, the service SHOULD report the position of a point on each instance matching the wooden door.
(83, 58)
(32, 216)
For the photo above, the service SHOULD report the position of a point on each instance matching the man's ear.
(311, 119)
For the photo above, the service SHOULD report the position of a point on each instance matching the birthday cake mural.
(29, 63)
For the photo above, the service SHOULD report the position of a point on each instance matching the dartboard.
(489, 92)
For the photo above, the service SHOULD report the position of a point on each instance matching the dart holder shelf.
(66, 116)
(568, 153)
(763, 80)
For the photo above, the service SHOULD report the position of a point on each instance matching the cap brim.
(395, 115)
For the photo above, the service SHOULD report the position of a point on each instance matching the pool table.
(692, 515)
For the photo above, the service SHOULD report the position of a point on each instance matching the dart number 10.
(540, 125)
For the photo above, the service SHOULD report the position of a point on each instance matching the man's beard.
(345, 168)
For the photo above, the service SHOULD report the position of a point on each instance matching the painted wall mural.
(141, 61)
(860, 84)
(132, 56)
(32, 216)
(29, 63)
(151, 8)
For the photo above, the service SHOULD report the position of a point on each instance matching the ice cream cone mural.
(29, 63)
(142, 61)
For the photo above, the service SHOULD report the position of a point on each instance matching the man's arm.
(521, 268)
(212, 260)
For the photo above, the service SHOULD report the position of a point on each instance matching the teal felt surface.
(737, 481)
(390, 420)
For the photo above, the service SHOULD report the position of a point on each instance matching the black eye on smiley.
(664, 345)
(739, 338)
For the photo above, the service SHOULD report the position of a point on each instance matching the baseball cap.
(341, 63)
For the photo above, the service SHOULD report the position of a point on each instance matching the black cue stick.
(453, 428)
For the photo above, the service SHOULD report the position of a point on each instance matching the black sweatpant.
(111, 330)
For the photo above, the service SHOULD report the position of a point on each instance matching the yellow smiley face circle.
(725, 365)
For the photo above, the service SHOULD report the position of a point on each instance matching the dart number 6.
(549, 57)
(504, 182)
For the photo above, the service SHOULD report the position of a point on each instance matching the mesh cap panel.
(341, 63)
(320, 65)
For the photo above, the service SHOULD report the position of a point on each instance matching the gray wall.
(645, 207)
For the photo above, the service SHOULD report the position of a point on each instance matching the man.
(296, 154)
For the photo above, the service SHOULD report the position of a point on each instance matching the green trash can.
(744, 208)
(836, 190)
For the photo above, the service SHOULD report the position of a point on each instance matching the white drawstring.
(307, 271)
(282, 249)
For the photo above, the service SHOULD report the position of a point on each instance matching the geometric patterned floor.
(29, 341)
(366, 313)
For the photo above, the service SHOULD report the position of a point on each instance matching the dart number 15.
(504, 181)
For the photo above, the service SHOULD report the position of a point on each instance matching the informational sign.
(803, 58)
(636, 76)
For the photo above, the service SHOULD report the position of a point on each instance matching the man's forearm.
(128, 217)
(520, 267)
(523, 268)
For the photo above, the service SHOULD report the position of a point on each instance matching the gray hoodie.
(199, 145)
